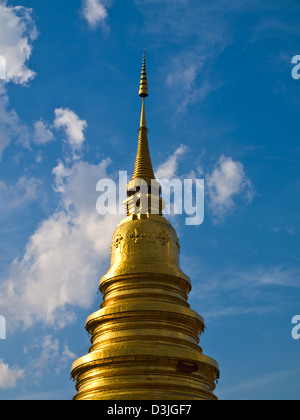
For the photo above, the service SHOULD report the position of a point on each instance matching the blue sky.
(223, 106)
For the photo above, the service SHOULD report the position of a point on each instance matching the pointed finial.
(144, 82)
(143, 181)
(143, 166)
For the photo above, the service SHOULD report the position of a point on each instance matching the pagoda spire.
(143, 166)
(145, 337)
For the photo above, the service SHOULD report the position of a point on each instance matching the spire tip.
(143, 93)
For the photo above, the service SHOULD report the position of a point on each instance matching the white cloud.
(17, 31)
(65, 256)
(226, 183)
(13, 129)
(17, 196)
(95, 12)
(10, 124)
(50, 352)
(42, 134)
(168, 169)
(227, 186)
(9, 375)
(183, 78)
(73, 126)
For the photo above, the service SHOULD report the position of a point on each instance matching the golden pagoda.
(145, 337)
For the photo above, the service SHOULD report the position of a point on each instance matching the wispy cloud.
(42, 133)
(95, 12)
(227, 182)
(46, 354)
(9, 376)
(73, 127)
(188, 79)
(199, 33)
(261, 381)
(51, 354)
(11, 127)
(17, 33)
(18, 196)
(168, 169)
(256, 290)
